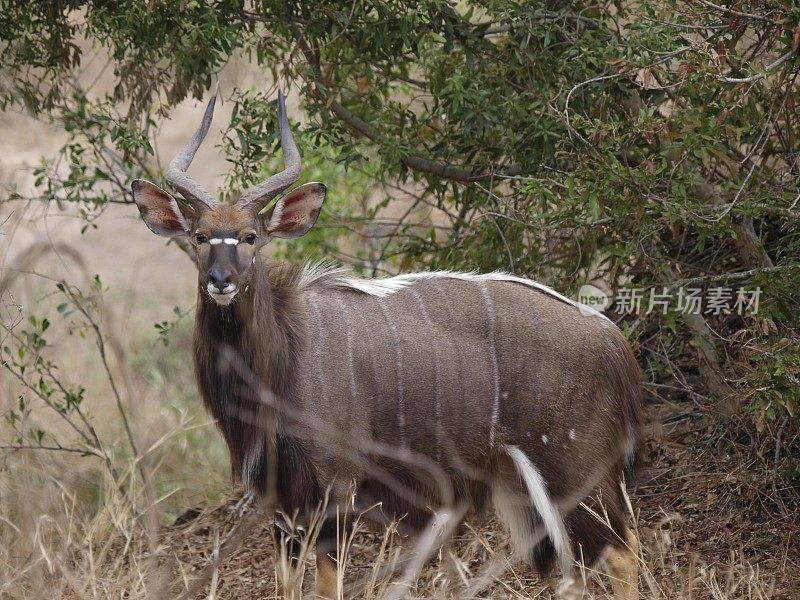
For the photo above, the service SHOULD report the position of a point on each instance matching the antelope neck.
(253, 339)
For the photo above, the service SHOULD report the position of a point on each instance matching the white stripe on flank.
(318, 343)
(490, 336)
(437, 401)
(551, 519)
(398, 368)
(330, 276)
(351, 362)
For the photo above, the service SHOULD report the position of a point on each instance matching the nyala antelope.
(493, 387)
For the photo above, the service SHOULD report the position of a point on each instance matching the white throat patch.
(222, 298)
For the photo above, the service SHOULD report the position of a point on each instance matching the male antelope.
(491, 386)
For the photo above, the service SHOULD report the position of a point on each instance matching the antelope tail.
(521, 529)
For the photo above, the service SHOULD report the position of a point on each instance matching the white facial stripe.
(231, 241)
(215, 241)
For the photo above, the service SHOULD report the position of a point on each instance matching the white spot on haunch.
(572, 434)
(545, 439)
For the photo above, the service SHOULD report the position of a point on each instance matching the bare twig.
(101, 348)
(739, 275)
(738, 13)
(56, 448)
(763, 74)
(775, 461)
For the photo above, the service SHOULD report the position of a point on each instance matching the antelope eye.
(199, 238)
(250, 238)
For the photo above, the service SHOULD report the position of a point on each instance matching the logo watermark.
(594, 298)
(683, 300)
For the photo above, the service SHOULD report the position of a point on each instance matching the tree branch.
(413, 162)
(728, 276)
(747, 242)
(758, 76)
(709, 365)
(739, 13)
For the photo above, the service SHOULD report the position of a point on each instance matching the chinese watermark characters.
(685, 300)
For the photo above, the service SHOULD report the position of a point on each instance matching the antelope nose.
(219, 279)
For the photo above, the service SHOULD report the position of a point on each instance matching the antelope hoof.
(327, 582)
(570, 588)
(623, 569)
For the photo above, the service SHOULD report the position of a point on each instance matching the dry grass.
(64, 550)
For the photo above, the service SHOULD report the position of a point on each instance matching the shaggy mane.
(322, 276)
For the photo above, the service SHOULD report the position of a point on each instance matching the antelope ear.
(295, 213)
(159, 210)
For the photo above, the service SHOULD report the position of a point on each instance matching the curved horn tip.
(210, 107)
